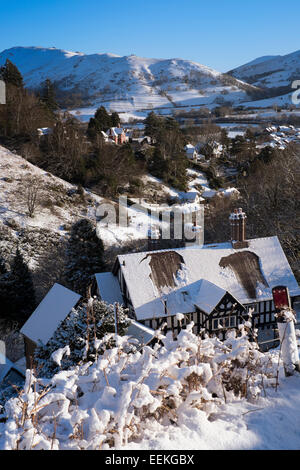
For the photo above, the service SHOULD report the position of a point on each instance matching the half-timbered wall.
(228, 314)
(263, 315)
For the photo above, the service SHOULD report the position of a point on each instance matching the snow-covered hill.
(58, 206)
(128, 83)
(270, 71)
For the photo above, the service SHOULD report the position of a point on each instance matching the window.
(273, 318)
(253, 307)
(225, 322)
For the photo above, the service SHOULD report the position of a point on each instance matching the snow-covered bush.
(81, 332)
(119, 397)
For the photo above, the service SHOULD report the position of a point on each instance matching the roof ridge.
(210, 245)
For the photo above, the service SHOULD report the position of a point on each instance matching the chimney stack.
(234, 225)
(154, 238)
(238, 228)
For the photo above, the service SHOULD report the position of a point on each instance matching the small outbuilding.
(42, 324)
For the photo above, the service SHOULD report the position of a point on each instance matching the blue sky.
(222, 33)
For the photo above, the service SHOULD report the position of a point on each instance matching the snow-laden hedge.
(114, 400)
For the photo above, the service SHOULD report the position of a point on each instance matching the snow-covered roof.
(115, 131)
(140, 333)
(53, 309)
(190, 149)
(109, 288)
(202, 294)
(189, 196)
(249, 274)
(44, 130)
(208, 296)
(6, 366)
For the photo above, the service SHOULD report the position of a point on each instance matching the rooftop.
(109, 288)
(249, 274)
(53, 309)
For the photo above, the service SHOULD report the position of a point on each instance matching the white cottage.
(191, 152)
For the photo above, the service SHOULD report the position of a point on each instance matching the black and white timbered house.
(216, 286)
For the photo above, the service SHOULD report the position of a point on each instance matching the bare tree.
(32, 188)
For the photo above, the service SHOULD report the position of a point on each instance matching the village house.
(216, 286)
(214, 148)
(117, 135)
(191, 152)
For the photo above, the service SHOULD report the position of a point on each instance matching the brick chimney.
(238, 229)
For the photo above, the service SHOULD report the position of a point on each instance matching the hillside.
(59, 205)
(127, 83)
(273, 73)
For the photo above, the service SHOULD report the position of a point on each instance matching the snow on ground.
(270, 72)
(271, 423)
(130, 85)
(137, 229)
(284, 100)
(118, 401)
(55, 210)
(127, 84)
(200, 178)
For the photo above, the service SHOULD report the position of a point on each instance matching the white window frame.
(232, 323)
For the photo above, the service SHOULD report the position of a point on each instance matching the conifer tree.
(22, 301)
(100, 122)
(11, 75)
(48, 95)
(158, 166)
(115, 119)
(3, 269)
(79, 335)
(17, 296)
(153, 125)
(84, 256)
